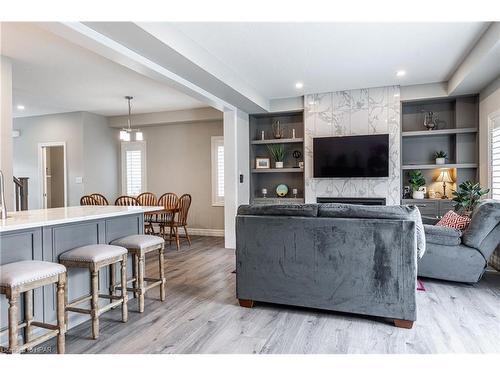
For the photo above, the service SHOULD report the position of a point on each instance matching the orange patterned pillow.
(453, 220)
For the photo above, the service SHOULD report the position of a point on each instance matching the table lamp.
(444, 177)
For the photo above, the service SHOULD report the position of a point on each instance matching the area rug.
(420, 285)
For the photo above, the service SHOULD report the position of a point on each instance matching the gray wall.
(6, 129)
(179, 161)
(91, 152)
(354, 112)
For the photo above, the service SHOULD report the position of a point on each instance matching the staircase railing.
(21, 187)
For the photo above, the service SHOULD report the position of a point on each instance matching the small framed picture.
(262, 163)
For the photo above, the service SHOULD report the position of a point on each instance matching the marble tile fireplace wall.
(354, 112)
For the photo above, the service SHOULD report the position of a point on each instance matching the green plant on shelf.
(277, 151)
(467, 196)
(440, 154)
(416, 180)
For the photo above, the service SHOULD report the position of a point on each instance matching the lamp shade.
(444, 176)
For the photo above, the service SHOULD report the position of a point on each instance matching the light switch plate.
(78, 180)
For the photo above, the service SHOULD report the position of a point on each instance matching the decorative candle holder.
(264, 193)
(262, 135)
(294, 192)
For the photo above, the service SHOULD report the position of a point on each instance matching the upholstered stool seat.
(23, 277)
(138, 245)
(28, 271)
(94, 257)
(93, 253)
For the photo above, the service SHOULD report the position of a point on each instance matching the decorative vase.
(277, 130)
(440, 161)
(278, 164)
(418, 194)
(430, 121)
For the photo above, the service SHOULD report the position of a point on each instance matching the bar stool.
(94, 257)
(23, 277)
(139, 245)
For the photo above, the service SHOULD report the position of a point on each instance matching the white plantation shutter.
(217, 171)
(133, 168)
(495, 159)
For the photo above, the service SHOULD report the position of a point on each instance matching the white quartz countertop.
(53, 216)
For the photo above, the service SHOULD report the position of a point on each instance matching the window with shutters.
(495, 157)
(217, 171)
(133, 155)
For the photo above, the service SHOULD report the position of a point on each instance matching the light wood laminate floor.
(201, 315)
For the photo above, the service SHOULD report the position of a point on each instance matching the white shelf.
(274, 141)
(278, 170)
(438, 166)
(430, 133)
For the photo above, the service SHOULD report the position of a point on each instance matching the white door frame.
(491, 117)
(42, 174)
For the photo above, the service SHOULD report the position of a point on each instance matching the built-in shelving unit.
(270, 178)
(456, 134)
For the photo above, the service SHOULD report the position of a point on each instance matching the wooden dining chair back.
(169, 201)
(184, 204)
(101, 199)
(147, 199)
(126, 200)
(87, 200)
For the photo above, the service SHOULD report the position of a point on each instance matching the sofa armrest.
(429, 220)
(442, 235)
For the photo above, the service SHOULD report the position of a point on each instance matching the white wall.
(91, 152)
(6, 129)
(489, 102)
(354, 112)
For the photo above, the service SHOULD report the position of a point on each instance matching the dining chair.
(181, 222)
(101, 199)
(87, 200)
(170, 202)
(148, 199)
(126, 200)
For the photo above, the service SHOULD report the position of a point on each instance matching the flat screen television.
(353, 156)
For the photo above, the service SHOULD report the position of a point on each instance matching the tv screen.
(353, 156)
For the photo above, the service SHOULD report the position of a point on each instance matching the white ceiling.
(52, 75)
(272, 57)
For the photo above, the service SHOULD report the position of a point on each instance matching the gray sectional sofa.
(348, 258)
(456, 256)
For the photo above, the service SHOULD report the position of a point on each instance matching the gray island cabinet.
(45, 234)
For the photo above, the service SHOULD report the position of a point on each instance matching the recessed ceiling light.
(400, 73)
(299, 85)
(20, 107)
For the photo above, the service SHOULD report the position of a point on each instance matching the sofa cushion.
(440, 235)
(485, 218)
(303, 210)
(453, 220)
(377, 212)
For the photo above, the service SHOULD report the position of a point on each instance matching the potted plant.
(467, 196)
(440, 157)
(278, 153)
(416, 181)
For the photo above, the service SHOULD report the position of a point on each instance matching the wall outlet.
(78, 180)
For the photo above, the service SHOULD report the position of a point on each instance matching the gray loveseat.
(355, 259)
(456, 256)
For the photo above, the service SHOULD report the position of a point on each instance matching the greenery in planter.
(277, 151)
(467, 196)
(440, 154)
(416, 180)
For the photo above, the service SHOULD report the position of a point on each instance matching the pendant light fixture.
(126, 133)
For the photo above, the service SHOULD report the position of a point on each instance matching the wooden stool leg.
(140, 281)
(112, 281)
(66, 301)
(123, 272)
(61, 323)
(162, 273)
(187, 235)
(94, 310)
(13, 323)
(134, 273)
(28, 314)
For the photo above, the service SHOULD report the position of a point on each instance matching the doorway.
(53, 174)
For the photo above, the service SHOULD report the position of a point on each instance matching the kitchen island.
(45, 234)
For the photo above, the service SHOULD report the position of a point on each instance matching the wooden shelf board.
(437, 166)
(430, 133)
(278, 170)
(274, 141)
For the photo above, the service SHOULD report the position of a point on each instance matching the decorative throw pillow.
(453, 220)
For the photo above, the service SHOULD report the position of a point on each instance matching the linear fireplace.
(366, 201)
